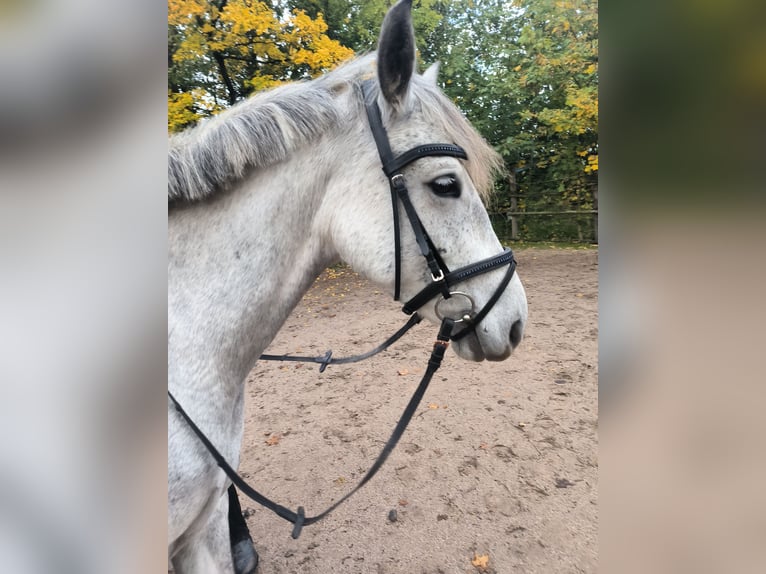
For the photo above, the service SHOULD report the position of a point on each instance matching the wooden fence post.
(595, 215)
(514, 206)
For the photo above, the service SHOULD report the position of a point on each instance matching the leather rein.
(442, 281)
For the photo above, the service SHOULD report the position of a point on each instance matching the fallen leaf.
(433, 406)
(273, 440)
(480, 561)
(403, 502)
(402, 372)
(484, 446)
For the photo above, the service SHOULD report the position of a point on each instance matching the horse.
(266, 195)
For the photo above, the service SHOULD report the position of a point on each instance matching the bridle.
(442, 282)
(442, 278)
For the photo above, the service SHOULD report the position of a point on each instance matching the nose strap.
(463, 274)
(458, 276)
(473, 323)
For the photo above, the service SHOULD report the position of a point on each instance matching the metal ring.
(466, 315)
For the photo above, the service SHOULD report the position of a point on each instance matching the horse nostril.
(517, 329)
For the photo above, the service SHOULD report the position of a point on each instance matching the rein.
(442, 281)
(327, 358)
(299, 518)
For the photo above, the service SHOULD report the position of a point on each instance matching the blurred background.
(90, 90)
(82, 286)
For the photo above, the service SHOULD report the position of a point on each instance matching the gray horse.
(265, 196)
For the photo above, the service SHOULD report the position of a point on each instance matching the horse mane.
(483, 163)
(269, 126)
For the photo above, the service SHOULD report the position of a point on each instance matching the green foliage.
(526, 74)
(356, 23)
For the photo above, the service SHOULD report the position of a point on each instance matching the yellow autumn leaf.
(180, 111)
(273, 440)
(480, 561)
(250, 42)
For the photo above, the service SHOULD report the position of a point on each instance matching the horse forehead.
(414, 131)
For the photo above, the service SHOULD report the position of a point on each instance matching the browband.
(395, 165)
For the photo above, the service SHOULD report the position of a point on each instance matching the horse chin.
(471, 349)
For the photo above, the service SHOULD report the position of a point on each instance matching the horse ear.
(396, 53)
(431, 75)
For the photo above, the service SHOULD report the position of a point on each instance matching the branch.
(230, 89)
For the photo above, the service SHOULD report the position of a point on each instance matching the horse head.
(446, 193)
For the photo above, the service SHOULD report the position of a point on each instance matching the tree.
(220, 51)
(526, 74)
(356, 23)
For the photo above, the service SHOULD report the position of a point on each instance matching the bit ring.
(466, 316)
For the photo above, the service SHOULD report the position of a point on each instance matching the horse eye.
(446, 186)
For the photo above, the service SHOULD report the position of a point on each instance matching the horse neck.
(240, 262)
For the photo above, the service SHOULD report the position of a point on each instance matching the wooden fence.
(548, 221)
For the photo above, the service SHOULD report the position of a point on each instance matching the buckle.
(439, 277)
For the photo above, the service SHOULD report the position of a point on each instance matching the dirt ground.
(498, 470)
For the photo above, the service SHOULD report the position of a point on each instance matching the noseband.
(442, 278)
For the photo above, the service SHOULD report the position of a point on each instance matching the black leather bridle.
(442, 278)
(442, 281)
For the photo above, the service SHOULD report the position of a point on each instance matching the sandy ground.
(498, 470)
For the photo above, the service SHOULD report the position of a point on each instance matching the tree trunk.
(230, 89)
